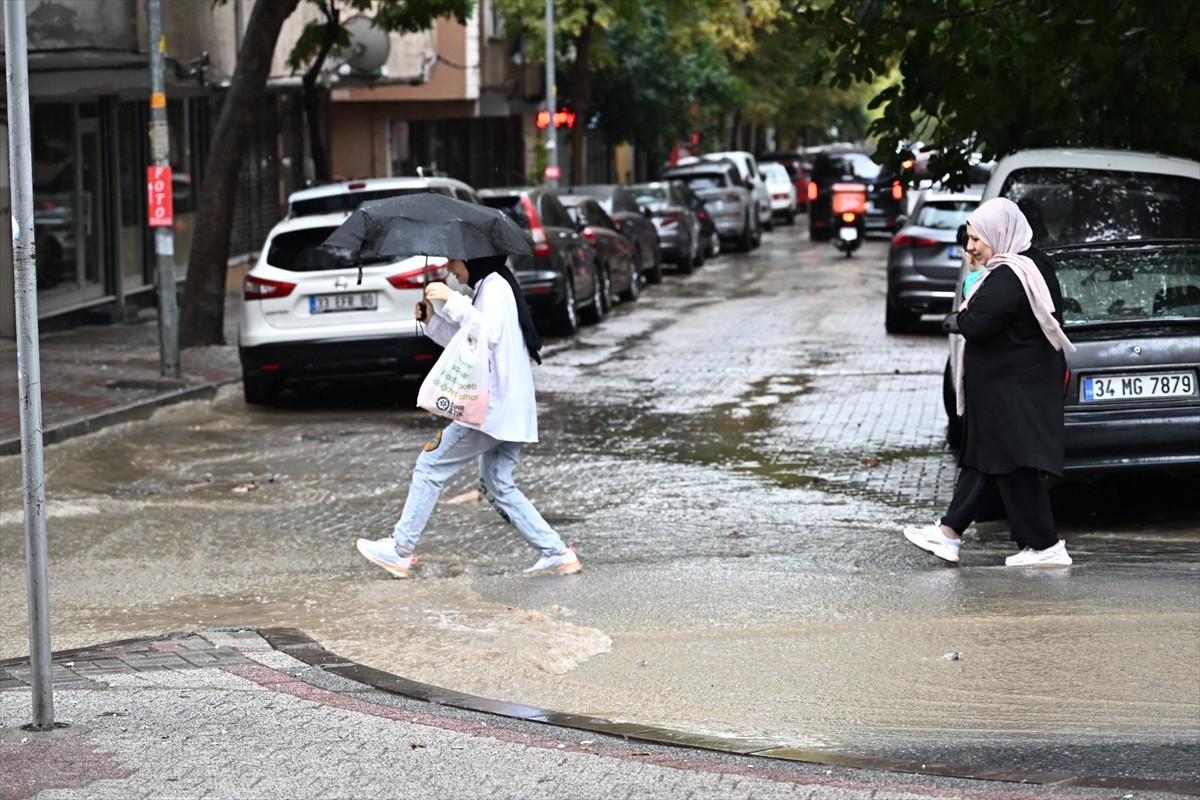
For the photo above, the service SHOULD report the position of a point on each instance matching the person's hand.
(438, 291)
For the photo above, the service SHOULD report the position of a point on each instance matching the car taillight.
(541, 241)
(1066, 381)
(908, 240)
(812, 191)
(420, 278)
(588, 233)
(669, 219)
(897, 190)
(262, 289)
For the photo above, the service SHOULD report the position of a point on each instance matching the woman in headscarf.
(500, 311)
(1009, 391)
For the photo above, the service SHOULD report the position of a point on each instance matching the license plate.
(353, 301)
(955, 251)
(1138, 387)
(848, 234)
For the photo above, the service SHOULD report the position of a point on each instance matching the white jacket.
(512, 408)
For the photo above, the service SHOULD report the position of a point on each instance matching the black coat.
(1012, 377)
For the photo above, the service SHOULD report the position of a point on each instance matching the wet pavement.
(744, 588)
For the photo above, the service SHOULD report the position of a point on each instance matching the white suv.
(306, 317)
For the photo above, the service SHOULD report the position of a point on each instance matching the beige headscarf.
(1000, 225)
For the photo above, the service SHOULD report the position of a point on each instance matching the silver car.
(925, 257)
(729, 202)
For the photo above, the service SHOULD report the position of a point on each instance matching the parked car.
(885, 191)
(727, 199)
(925, 258)
(1124, 231)
(782, 191)
(752, 178)
(349, 195)
(631, 220)
(307, 318)
(798, 164)
(613, 250)
(671, 212)
(559, 280)
(710, 240)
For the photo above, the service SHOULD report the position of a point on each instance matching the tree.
(324, 36)
(582, 26)
(202, 312)
(994, 77)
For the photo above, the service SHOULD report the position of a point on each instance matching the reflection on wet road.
(732, 456)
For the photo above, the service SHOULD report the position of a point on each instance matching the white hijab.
(1000, 225)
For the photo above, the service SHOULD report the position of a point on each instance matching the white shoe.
(383, 552)
(1055, 556)
(931, 539)
(564, 563)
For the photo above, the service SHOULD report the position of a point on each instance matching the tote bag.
(457, 386)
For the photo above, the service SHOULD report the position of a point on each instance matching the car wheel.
(714, 246)
(954, 423)
(635, 283)
(655, 275)
(745, 242)
(898, 320)
(605, 280)
(595, 310)
(769, 223)
(757, 232)
(564, 318)
(260, 391)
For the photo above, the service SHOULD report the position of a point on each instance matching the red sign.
(158, 195)
(552, 172)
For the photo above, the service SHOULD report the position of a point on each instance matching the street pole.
(29, 366)
(552, 169)
(158, 182)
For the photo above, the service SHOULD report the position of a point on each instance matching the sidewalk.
(269, 713)
(101, 375)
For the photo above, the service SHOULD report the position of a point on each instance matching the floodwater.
(732, 457)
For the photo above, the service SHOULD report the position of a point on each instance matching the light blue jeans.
(451, 450)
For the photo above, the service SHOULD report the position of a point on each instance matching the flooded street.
(733, 457)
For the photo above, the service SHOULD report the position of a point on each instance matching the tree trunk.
(581, 99)
(202, 311)
(315, 97)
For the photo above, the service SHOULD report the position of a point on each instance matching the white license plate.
(955, 251)
(352, 301)
(848, 234)
(1138, 387)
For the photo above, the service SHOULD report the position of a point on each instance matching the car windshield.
(858, 165)
(1074, 205)
(701, 181)
(1129, 284)
(301, 251)
(512, 206)
(654, 197)
(945, 214)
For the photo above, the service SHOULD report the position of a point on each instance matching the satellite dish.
(369, 46)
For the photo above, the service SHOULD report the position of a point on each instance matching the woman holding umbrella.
(506, 326)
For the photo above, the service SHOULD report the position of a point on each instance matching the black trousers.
(1026, 504)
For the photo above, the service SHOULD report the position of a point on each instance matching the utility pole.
(29, 365)
(552, 169)
(159, 196)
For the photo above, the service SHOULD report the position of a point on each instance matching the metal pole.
(29, 368)
(551, 102)
(164, 239)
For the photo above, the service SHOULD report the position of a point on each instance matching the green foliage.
(1001, 75)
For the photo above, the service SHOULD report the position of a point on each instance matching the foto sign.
(158, 193)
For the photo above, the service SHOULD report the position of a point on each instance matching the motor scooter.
(849, 223)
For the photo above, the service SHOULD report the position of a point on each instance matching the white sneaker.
(931, 539)
(564, 563)
(383, 552)
(1055, 556)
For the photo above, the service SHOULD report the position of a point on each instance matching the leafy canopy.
(994, 76)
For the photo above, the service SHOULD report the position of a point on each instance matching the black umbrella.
(427, 224)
